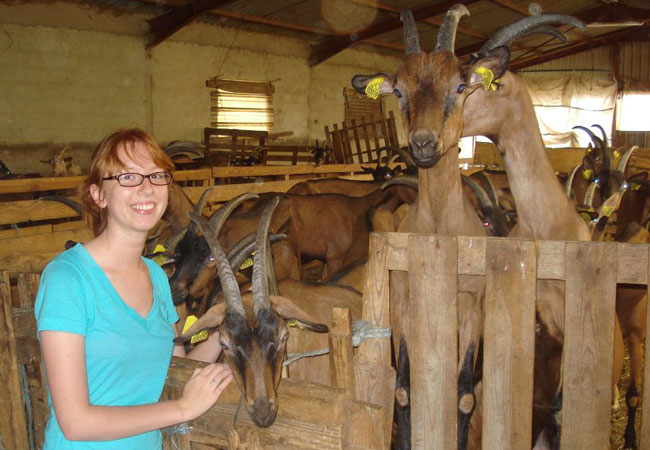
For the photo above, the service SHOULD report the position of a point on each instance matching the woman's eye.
(397, 93)
(461, 88)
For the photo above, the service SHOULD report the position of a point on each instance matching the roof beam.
(629, 34)
(161, 27)
(329, 48)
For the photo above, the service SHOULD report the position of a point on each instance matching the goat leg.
(632, 402)
(466, 397)
(402, 439)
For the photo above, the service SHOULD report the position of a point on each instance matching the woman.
(105, 316)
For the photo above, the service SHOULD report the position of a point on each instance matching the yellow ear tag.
(292, 322)
(160, 259)
(586, 217)
(617, 153)
(607, 211)
(488, 78)
(372, 88)
(587, 174)
(198, 337)
(247, 263)
(636, 187)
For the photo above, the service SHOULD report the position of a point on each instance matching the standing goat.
(62, 166)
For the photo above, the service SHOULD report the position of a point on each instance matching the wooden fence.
(358, 142)
(310, 416)
(510, 267)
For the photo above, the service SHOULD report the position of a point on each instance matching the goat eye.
(461, 88)
(211, 258)
(397, 93)
(224, 345)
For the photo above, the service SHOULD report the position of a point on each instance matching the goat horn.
(256, 151)
(589, 194)
(622, 164)
(447, 32)
(173, 240)
(607, 161)
(404, 154)
(229, 284)
(379, 150)
(405, 181)
(260, 270)
(411, 39)
(198, 210)
(392, 160)
(515, 30)
(545, 29)
(491, 191)
(478, 191)
(219, 218)
(602, 132)
(568, 184)
(237, 258)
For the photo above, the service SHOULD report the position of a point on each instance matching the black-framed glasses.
(136, 179)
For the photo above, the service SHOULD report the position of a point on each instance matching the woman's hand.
(203, 389)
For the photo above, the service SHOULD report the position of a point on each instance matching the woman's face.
(137, 208)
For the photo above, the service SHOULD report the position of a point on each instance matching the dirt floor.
(619, 418)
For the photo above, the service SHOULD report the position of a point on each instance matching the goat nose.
(421, 139)
(264, 412)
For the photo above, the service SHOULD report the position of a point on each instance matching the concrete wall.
(72, 74)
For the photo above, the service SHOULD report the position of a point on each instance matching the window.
(632, 107)
(244, 105)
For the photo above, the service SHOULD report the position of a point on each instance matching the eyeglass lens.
(135, 179)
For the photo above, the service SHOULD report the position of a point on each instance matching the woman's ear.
(97, 195)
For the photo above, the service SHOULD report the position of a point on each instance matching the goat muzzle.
(263, 412)
(425, 148)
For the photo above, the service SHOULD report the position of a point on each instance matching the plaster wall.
(72, 74)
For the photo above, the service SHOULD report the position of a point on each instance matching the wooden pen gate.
(511, 268)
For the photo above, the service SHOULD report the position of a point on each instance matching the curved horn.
(411, 39)
(219, 218)
(551, 31)
(392, 160)
(229, 284)
(602, 132)
(447, 32)
(491, 192)
(568, 184)
(589, 194)
(622, 164)
(237, 259)
(257, 151)
(515, 30)
(478, 191)
(198, 209)
(173, 240)
(260, 275)
(406, 157)
(594, 139)
(411, 182)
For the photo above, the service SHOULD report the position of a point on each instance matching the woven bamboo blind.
(238, 104)
(359, 105)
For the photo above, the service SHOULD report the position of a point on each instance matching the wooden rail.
(310, 416)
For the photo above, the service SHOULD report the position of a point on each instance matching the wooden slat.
(357, 143)
(340, 345)
(375, 378)
(509, 343)
(373, 131)
(39, 184)
(13, 424)
(34, 210)
(366, 138)
(644, 434)
(432, 341)
(226, 192)
(392, 129)
(588, 345)
(260, 171)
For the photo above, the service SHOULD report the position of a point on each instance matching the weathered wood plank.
(260, 171)
(34, 210)
(340, 355)
(588, 345)
(509, 343)
(432, 341)
(13, 424)
(644, 435)
(374, 376)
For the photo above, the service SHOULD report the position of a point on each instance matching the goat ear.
(212, 318)
(489, 68)
(67, 159)
(385, 83)
(290, 311)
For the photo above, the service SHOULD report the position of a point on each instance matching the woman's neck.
(116, 251)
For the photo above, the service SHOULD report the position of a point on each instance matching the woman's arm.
(65, 364)
(206, 351)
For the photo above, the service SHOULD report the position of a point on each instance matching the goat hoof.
(402, 397)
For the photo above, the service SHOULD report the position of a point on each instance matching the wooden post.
(432, 340)
(588, 345)
(340, 344)
(509, 343)
(644, 435)
(13, 424)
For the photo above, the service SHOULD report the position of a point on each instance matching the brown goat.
(62, 166)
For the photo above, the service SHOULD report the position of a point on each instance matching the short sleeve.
(60, 302)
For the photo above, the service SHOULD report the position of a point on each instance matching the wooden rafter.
(327, 49)
(161, 27)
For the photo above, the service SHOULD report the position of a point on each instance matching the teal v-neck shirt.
(127, 356)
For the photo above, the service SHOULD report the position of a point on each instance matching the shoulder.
(68, 264)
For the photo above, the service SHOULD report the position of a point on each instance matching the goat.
(253, 159)
(252, 327)
(320, 153)
(441, 101)
(62, 166)
(339, 238)
(440, 207)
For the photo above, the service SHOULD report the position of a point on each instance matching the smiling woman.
(105, 316)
